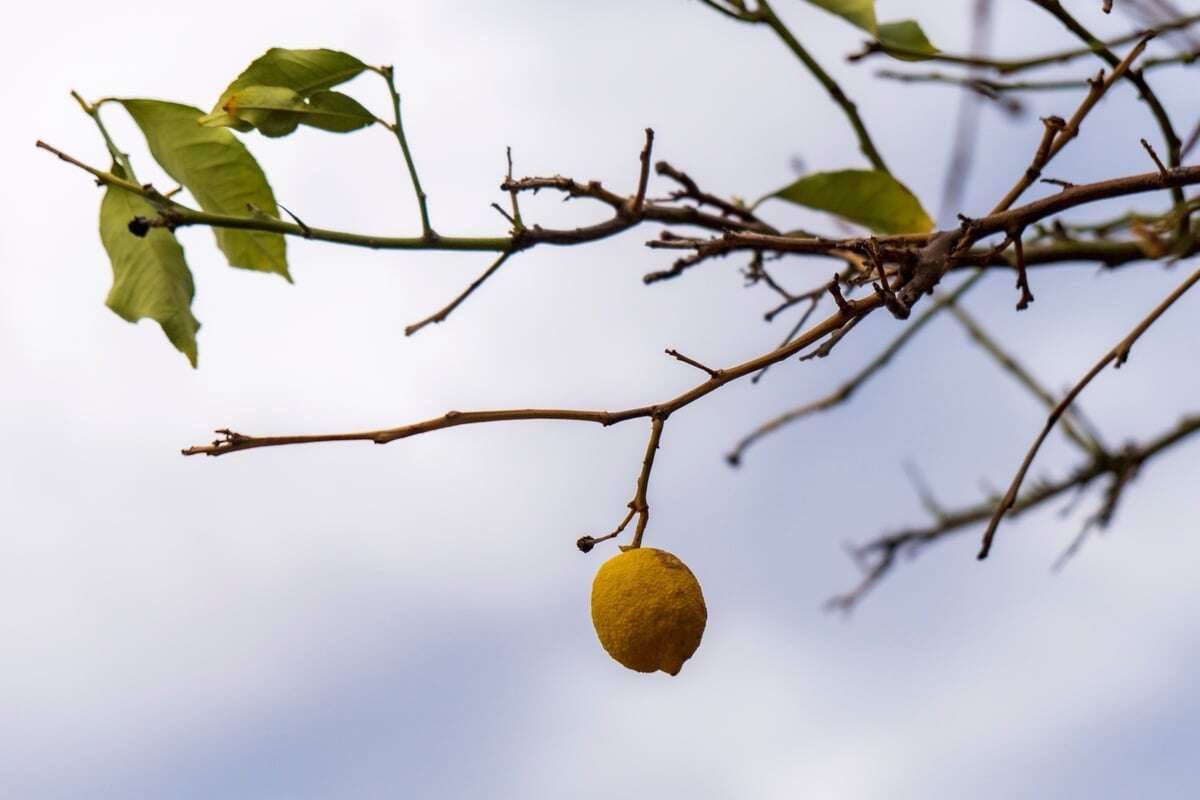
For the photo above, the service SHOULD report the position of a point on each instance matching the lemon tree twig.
(627, 212)
(397, 129)
(844, 392)
(764, 14)
(995, 89)
(445, 311)
(986, 87)
(119, 156)
(231, 441)
(966, 126)
(587, 542)
(1116, 356)
(878, 556)
(678, 356)
(1057, 134)
(1009, 66)
(690, 191)
(1077, 434)
(1055, 9)
(634, 208)
(906, 249)
(848, 313)
(640, 505)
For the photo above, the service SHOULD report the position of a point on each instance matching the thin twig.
(691, 191)
(1022, 275)
(712, 373)
(1057, 134)
(880, 555)
(1116, 356)
(517, 223)
(1055, 8)
(1154, 156)
(767, 15)
(1008, 66)
(639, 199)
(1009, 364)
(586, 543)
(966, 127)
(119, 156)
(444, 312)
(232, 441)
(397, 129)
(791, 334)
(847, 389)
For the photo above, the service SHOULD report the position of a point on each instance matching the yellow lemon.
(648, 610)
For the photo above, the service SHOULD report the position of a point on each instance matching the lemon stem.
(639, 504)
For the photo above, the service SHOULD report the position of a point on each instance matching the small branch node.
(835, 290)
(1162, 170)
(712, 373)
(305, 231)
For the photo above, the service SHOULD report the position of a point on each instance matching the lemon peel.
(648, 610)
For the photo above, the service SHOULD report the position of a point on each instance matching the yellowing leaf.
(150, 277)
(277, 111)
(220, 173)
(302, 71)
(870, 198)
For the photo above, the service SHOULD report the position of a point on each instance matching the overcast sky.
(352, 621)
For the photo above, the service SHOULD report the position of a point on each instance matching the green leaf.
(302, 71)
(870, 198)
(150, 277)
(220, 173)
(277, 111)
(905, 40)
(860, 13)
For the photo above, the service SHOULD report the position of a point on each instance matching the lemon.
(648, 610)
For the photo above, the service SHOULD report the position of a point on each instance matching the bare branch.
(847, 389)
(1008, 66)
(1009, 364)
(879, 556)
(1154, 156)
(233, 442)
(1116, 356)
(441, 315)
(767, 15)
(1058, 134)
(1055, 8)
(639, 198)
(691, 191)
(712, 373)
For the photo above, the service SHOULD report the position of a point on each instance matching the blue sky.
(411, 620)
